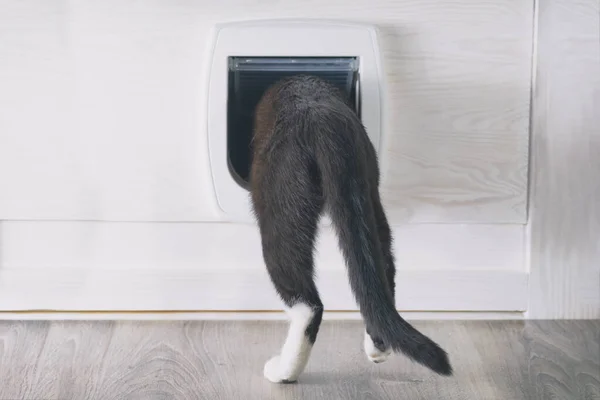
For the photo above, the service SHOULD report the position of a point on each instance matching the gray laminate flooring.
(504, 360)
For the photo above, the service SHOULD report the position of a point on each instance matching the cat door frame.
(283, 38)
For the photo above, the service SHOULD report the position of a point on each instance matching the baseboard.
(82, 266)
(78, 289)
(241, 316)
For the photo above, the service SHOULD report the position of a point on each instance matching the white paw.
(373, 353)
(274, 372)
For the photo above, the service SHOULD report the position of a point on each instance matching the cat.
(311, 154)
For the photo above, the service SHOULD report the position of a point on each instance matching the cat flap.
(249, 78)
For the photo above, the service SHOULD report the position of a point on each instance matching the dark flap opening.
(249, 77)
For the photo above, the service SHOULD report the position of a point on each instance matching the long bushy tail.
(349, 202)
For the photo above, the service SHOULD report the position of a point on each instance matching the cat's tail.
(348, 197)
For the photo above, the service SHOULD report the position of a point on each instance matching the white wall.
(564, 228)
(101, 104)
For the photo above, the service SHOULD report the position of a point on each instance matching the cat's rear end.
(311, 153)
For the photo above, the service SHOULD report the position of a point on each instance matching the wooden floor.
(504, 360)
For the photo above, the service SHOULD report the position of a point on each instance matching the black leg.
(386, 240)
(288, 221)
(376, 350)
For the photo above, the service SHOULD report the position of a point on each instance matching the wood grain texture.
(458, 114)
(458, 78)
(565, 203)
(223, 360)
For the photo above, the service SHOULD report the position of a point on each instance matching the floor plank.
(504, 360)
